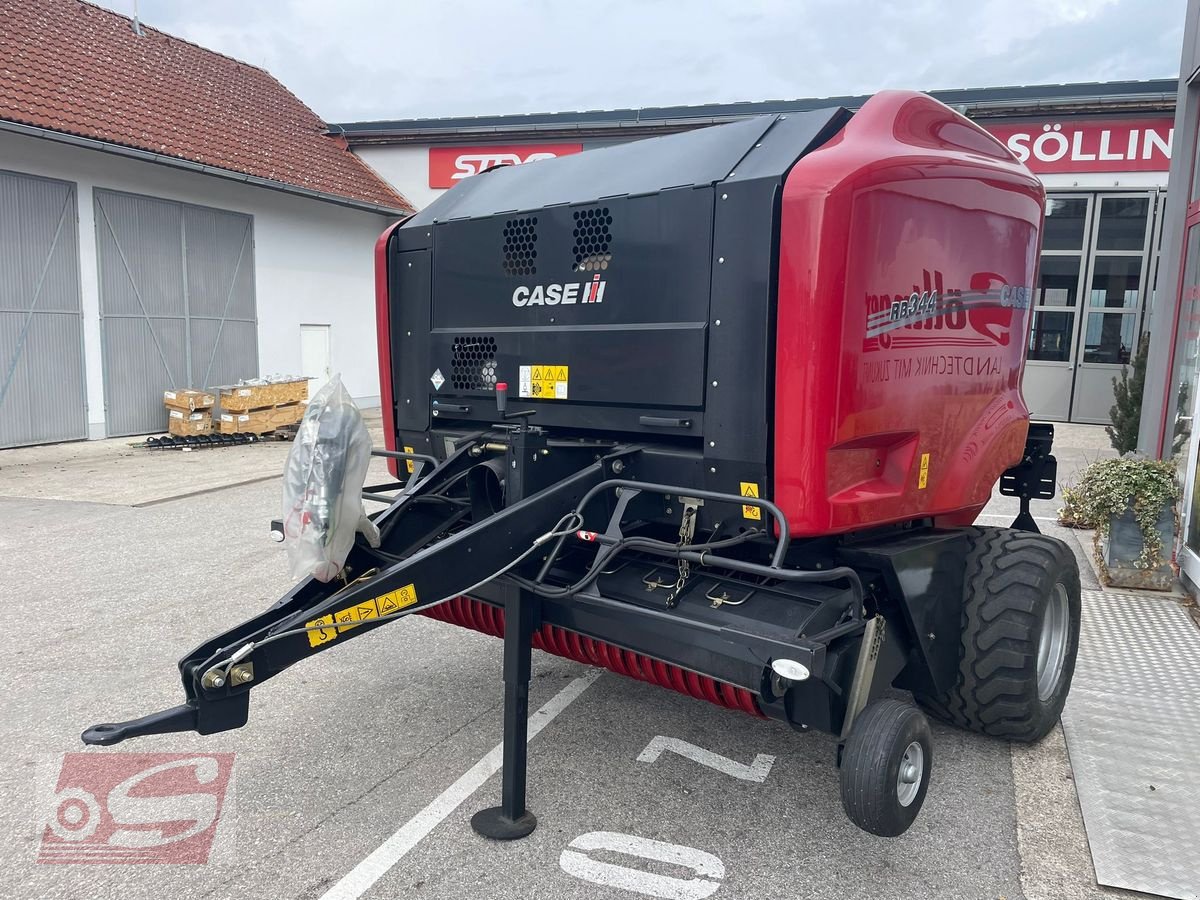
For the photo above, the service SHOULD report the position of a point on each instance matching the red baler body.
(907, 199)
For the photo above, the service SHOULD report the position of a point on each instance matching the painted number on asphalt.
(709, 870)
(756, 772)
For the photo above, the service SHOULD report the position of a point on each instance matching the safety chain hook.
(687, 531)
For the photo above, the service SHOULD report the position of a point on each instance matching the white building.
(169, 217)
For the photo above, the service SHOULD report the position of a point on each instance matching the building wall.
(406, 166)
(403, 165)
(313, 260)
(1172, 394)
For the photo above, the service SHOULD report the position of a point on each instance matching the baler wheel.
(885, 767)
(1020, 634)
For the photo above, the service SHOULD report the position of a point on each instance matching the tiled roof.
(71, 67)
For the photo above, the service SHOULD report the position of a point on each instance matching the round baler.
(718, 411)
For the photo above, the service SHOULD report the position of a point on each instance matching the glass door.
(1187, 399)
(1111, 314)
(1050, 369)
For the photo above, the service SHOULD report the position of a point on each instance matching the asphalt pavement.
(360, 768)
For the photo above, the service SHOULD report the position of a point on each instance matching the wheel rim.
(1052, 643)
(911, 774)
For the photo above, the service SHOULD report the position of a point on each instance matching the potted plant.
(1133, 502)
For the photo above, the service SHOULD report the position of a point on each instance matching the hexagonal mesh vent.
(592, 240)
(473, 363)
(520, 246)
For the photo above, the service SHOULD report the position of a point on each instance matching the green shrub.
(1126, 413)
(1110, 486)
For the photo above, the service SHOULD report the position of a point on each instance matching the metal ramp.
(1132, 724)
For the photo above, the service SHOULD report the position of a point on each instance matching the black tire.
(1017, 585)
(873, 795)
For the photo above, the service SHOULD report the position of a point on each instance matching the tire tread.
(1009, 575)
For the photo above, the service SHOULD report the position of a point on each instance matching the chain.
(687, 530)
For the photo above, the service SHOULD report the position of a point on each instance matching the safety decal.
(544, 382)
(924, 477)
(352, 616)
(750, 489)
(408, 463)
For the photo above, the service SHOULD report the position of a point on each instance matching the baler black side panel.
(740, 401)
(677, 233)
(410, 293)
(923, 574)
(641, 346)
(741, 354)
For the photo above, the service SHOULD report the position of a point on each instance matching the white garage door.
(176, 303)
(42, 397)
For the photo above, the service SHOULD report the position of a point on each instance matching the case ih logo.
(1131, 145)
(449, 165)
(929, 314)
(135, 808)
(560, 294)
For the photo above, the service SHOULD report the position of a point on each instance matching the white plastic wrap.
(323, 482)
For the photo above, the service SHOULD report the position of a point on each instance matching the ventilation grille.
(520, 246)
(592, 240)
(473, 363)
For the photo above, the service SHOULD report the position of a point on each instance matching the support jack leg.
(511, 820)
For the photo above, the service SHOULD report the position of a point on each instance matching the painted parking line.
(359, 879)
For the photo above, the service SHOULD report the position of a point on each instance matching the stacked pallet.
(189, 412)
(260, 408)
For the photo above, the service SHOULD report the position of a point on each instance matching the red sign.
(135, 808)
(449, 165)
(1121, 145)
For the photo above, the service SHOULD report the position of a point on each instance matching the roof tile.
(72, 67)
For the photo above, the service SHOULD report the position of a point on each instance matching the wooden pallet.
(260, 421)
(248, 397)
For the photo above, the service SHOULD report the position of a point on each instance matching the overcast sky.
(365, 59)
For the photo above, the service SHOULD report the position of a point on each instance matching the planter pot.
(1124, 546)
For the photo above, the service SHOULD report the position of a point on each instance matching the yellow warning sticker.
(924, 477)
(750, 489)
(408, 463)
(353, 616)
(544, 382)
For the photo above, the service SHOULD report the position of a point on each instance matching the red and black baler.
(716, 410)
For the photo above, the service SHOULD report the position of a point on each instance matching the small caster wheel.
(885, 767)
